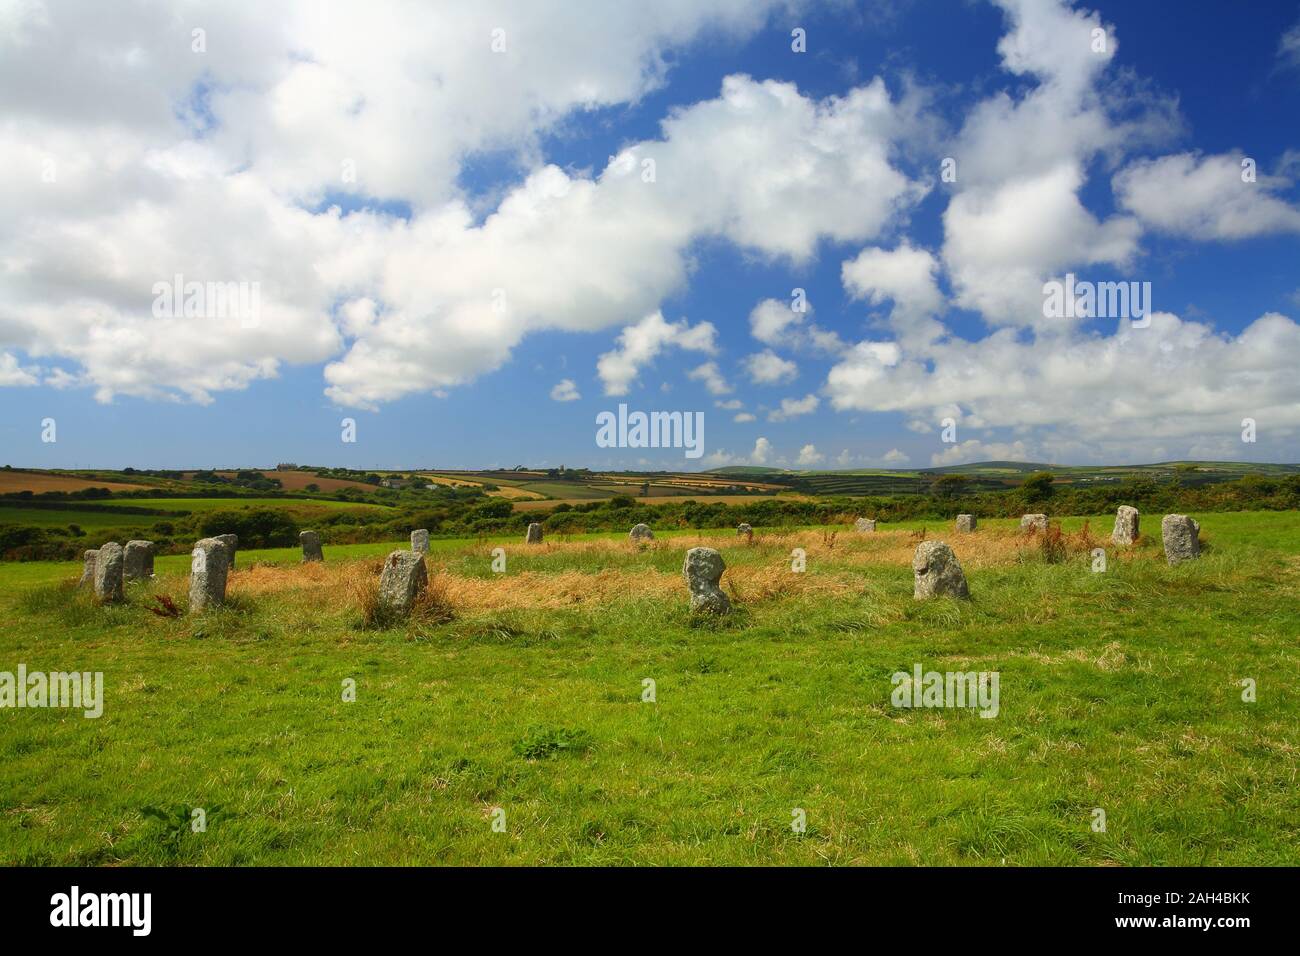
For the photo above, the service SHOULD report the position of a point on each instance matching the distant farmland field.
(39, 482)
(662, 500)
(299, 480)
(452, 482)
(503, 490)
(574, 490)
(510, 491)
(690, 481)
(234, 504)
(574, 487)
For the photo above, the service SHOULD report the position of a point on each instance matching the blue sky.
(484, 170)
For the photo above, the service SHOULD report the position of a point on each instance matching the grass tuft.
(540, 743)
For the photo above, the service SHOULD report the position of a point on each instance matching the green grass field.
(1119, 691)
(197, 505)
(91, 518)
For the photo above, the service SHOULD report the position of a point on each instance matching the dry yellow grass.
(758, 572)
(451, 482)
(510, 491)
(503, 491)
(354, 582)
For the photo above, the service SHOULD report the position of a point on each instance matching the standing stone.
(534, 533)
(864, 525)
(641, 532)
(420, 541)
(1032, 523)
(403, 578)
(108, 573)
(703, 570)
(231, 541)
(1182, 537)
(936, 572)
(138, 560)
(87, 569)
(965, 523)
(209, 566)
(1126, 525)
(311, 550)
(745, 531)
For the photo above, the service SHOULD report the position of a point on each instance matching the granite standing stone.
(1126, 525)
(403, 578)
(703, 570)
(1182, 538)
(231, 541)
(641, 532)
(864, 525)
(311, 549)
(209, 567)
(534, 534)
(108, 573)
(965, 523)
(744, 531)
(87, 569)
(1032, 523)
(420, 541)
(138, 560)
(937, 573)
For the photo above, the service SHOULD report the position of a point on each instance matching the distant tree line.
(461, 512)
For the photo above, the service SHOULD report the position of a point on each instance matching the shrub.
(1052, 544)
(256, 527)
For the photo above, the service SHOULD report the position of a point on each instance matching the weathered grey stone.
(403, 578)
(420, 541)
(936, 572)
(138, 560)
(1032, 523)
(641, 532)
(87, 569)
(108, 573)
(864, 525)
(534, 534)
(703, 570)
(311, 549)
(965, 523)
(231, 541)
(744, 531)
(209, 567)
(1182, 537)
(1126, 525)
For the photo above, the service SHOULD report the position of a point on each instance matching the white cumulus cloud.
(136, 160)
(712, 377)
(794, 407)
(768, 368)
(640, 344)
(809, 456)
(565, 391)
(1204, 197)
